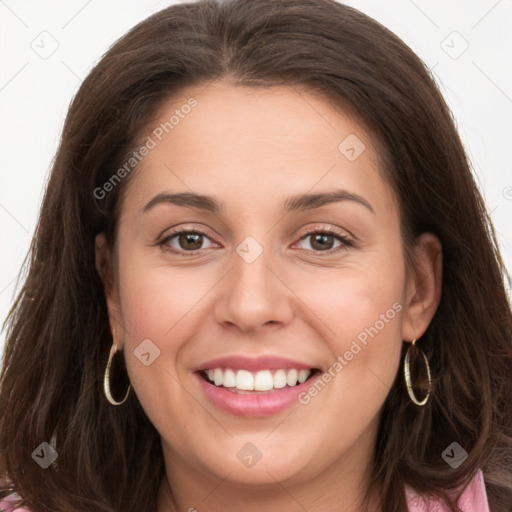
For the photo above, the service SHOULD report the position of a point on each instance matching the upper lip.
(252, 363)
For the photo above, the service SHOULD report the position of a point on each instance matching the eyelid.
(343, 233)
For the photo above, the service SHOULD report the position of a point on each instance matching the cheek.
(361, 301)
(366, 322)
(360, 308)
(155, 300)
(157, 304)
(162, 304)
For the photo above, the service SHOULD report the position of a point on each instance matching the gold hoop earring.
(106, 379)
(407, 374)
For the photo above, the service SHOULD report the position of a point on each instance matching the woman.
(337, 334)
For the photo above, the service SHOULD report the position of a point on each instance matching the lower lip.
(257, 404)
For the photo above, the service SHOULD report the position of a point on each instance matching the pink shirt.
(474, 499)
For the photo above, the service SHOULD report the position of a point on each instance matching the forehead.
(256, 142)
(240, 118)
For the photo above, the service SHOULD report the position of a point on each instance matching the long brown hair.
(58, 337)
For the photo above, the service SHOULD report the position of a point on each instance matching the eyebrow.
(310, 201)
(295, 203)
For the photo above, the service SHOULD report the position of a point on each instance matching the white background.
(35, 93)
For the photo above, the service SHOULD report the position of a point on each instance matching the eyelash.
(345, 241)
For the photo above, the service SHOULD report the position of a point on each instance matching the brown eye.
(184, 240)
(190, 241)
(322, 241)
(325, 240)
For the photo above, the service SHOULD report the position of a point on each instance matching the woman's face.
(255, 282)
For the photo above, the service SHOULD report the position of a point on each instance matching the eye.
(184, 240)
(323, 240)
(189, 240)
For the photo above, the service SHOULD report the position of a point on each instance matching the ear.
(423, 287)
(106, 270)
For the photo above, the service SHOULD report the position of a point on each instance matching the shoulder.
(7, 504)
(473, 499)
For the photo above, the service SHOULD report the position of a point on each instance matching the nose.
(254, 294)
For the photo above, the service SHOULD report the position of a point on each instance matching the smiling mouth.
(261, 382)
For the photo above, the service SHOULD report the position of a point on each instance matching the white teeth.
(244, 380)
(280, 379)
(303, 375)
(263, 380)
(229, 379)
(291, 378)
(217, 376)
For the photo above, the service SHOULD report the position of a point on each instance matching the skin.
(252, 148)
